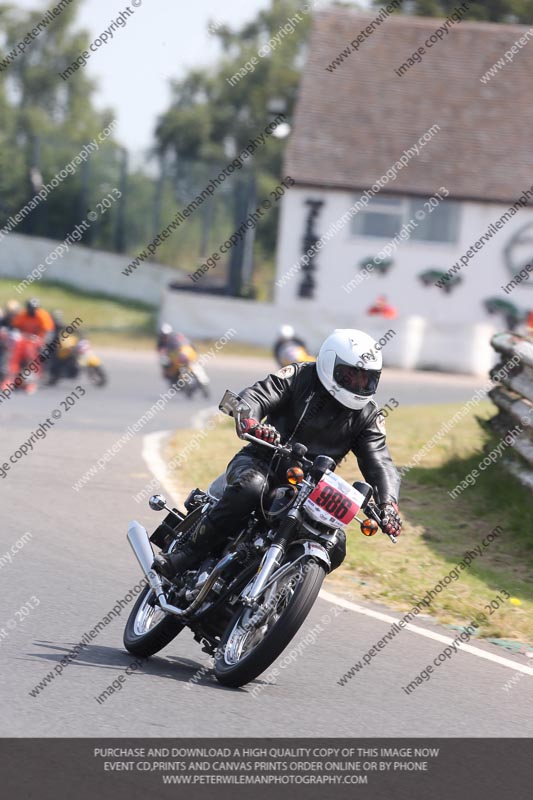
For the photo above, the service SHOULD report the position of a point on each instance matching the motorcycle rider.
(7, 314)
(177, 352)
(38, 326)
(4, 346)
(163, 336)
(34, 320)
(286, 336)
(327, 406)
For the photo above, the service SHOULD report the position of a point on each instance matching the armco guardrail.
(513, 397)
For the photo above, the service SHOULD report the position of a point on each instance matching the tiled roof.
(351, 124)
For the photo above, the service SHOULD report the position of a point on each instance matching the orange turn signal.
(295, 475)
(369, 527)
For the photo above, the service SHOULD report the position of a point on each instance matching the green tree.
(47, 118)
(212, 116)
(46, 121)
(520, 11)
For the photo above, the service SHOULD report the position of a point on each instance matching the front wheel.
(201, 381)
(254, 639)
(148, 628)
(97, 376)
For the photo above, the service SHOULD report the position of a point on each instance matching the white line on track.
(438, 637)
(152, 455)
(151, 452)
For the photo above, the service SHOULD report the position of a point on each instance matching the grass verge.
(438, 530)
(108, 320)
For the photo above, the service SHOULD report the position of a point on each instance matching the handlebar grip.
(255, 440)
(371, 511)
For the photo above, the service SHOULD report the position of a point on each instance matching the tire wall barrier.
(513, 397)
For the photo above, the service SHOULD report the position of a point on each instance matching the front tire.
(97, 376)
(235, 668)
(148, 628)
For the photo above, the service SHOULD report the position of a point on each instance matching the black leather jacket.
(294, 401)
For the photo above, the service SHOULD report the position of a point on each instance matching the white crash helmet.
(286, 332)
(349, 367)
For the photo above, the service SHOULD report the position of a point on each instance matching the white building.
(353, 123)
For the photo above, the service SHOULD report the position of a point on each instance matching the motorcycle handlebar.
(285, 450)
(278, 447)
(370, 509)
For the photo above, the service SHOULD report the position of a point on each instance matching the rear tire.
(156, 636)
(277, 638)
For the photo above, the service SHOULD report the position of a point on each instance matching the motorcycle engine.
(197, 581)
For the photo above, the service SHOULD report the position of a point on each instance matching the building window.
(384, 218)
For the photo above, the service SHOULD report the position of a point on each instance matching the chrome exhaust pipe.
(140, 544)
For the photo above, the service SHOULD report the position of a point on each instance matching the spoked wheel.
(149, 628)
(254, 639)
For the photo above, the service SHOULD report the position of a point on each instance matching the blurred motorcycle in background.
(75, 355)
(289, 348)
(180, 366)
(18, 352)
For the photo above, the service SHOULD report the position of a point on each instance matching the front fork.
(272, 559)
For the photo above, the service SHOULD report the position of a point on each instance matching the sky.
(162, 40)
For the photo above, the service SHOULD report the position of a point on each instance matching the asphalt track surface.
(77, 565)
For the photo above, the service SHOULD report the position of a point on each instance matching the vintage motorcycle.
(246, 603)
(181, 368)
(292, 353)
(75, 355)
(290, 348)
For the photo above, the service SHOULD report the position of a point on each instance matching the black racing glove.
(391, 522)
(267, 433)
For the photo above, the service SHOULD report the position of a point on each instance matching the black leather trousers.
(249, 478)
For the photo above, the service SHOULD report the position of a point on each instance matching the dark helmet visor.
(357, 380)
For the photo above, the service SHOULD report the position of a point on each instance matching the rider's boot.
(204, 537)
